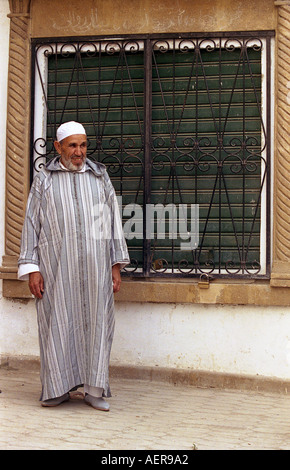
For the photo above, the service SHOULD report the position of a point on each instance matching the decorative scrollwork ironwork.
(185, 139)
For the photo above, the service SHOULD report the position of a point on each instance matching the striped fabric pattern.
(63, 234)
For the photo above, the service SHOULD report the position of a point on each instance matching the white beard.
(70, 166)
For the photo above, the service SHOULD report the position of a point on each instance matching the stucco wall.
(4, 38)
(234, 339)
(247, 340)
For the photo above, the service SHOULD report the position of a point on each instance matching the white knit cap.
(69, 128)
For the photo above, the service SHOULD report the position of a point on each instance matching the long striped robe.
(63, 235)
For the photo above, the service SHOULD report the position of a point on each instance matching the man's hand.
(36, 284)
(116, 275)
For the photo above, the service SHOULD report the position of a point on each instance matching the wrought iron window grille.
(180, 121)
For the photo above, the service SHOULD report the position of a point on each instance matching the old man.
(73, 265)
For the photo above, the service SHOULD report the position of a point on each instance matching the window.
(183, 125)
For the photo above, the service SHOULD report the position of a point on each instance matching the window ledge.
(240, 292)
(234, 292)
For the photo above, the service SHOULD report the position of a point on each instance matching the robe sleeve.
(31, 228)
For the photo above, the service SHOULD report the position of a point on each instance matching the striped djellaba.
(73, 232)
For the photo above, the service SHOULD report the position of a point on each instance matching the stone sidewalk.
(144, 415)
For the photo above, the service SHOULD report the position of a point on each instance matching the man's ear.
(57, 146)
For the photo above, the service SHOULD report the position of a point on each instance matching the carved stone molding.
(281, 243)
(278, 3)
(19, 7)
(17, 143)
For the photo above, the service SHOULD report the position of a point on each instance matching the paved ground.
(144, 415)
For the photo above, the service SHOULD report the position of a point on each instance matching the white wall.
(4, 41)
(242, 340)
(234, 339)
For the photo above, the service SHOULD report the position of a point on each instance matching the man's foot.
(97, 402)
(55, 401)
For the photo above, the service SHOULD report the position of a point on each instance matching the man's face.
(73, 151)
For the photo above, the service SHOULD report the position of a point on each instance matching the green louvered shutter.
(206, 133)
